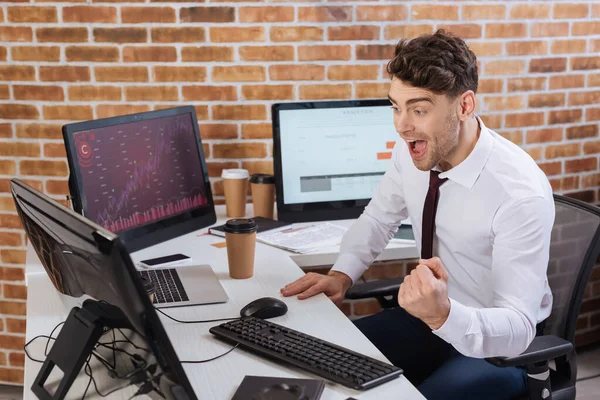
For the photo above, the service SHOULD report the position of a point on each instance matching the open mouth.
(417, 148)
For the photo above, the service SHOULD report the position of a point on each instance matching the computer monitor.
(142, 176)
(82, 258)
(329, 156)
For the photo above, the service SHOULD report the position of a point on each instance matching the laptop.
(143, 177)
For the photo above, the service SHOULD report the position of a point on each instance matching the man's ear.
(465, 105)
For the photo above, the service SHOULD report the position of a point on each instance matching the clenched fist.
(424, 293)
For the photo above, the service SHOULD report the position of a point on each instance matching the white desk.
(220, 378)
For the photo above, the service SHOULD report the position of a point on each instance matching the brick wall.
(66, 61)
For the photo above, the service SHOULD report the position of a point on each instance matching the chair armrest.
(377, 288)
(543, 348)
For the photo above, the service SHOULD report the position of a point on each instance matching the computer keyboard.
(314, 355)
(167, 284)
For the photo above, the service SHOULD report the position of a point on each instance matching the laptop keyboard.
(169, 288)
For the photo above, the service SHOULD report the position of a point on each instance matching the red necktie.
(431, 202)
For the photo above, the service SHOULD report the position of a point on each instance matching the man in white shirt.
(481, 288)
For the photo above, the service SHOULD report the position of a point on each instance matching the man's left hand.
(424, 293)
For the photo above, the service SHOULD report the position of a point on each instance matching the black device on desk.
(329, 156)
(142, 176)
(82, 258)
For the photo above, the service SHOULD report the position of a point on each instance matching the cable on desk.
(210, 359)
(194, 322)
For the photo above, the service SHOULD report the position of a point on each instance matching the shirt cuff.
(456, 326)
(350, 265)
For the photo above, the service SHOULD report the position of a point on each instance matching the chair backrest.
(574, 249)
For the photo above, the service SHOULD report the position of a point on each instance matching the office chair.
(574, 249)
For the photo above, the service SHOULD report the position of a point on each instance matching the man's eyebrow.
(392, 100)
(418, 99)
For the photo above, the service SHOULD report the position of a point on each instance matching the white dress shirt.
(492, 233)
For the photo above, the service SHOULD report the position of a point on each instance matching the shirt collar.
(467, 172)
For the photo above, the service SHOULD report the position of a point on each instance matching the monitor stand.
(75, 342)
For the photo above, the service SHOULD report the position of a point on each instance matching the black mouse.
(264, 308)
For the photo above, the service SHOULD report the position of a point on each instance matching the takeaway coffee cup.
(240, 235)
(263, 194)
(235, 184)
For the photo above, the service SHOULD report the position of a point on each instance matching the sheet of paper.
(304, 239)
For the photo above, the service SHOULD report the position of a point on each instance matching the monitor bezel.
(157, 231)
(316, 211)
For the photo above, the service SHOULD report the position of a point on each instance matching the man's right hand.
(334, 285)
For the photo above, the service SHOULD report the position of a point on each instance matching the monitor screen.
(332, 152)
(139, 174)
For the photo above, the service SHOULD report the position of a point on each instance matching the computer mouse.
(264, 308)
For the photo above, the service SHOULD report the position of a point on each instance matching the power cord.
(194, 322)
(211, 359)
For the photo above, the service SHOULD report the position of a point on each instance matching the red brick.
(530, 11)
(17, 359)
(372, 90)
(111, 110)
(592, 114)
(31, 14)
(8, 167)
(352, 72)
(4, 92)
(546, 29)
(16, 34)
(495, 103)
(356, 32)
(268, 92)
(6, 203)
(374, 52)
(54, 150)
(179, 74)
(567, 81)
(57, 187)
(545, 135)
(10, 239)
(266, 14)
(464, 31)
(18, 111)
(12, 273)
(219, 131)
(501, 30)
(61, 35)
(584, 63)
(566, 183)
(178, 35)
(15, 291)
(524, 119)
(546, 100)
(248, 73)
(493, 121)
(593, 79)
(320, 92)
(483, 12)
(314, 53)
(548, 65)
(3, 359)
(266, 53)
(257, 131)
(582, 131)
(526, 84)
(138, 15)
(38, 131)
(207, 14)
(151, 93)
(521, 48)
(439, 12)
(68, 113)
(207, 53)
(406, 31)
(231, 35)
(585, 28)
(551, 168)
(514, 136)
(581, 165)
(17, 73)
(92, 53)
(296, 33)
(209, 93)
(504, 67)
(64, 73)
(215, 169)
(382, 13)
(5, 130)
(13, 256)
(94, 93)
(591, 147)
(296, 72)
(568, 46)
(11, 375)
(572, 10)
(121, 74)
(592, 180)
(20, 149)
(239, 112)
(563, 150)
(89, 14)
(324, 14)
(43, 168)
(35, 53)
(582, 98)
(10, 221)
(13, 342)
(564, 116)
(258, 167)
(149, 54)
(120, 35)
(240, 150)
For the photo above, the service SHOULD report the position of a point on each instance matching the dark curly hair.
(441, 63)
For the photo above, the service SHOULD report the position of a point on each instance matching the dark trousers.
(434, 366)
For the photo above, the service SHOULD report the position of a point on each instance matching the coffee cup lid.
(262, 178)
(240, 225)
(235, 173)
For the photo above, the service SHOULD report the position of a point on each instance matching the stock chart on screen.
(140, 172)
